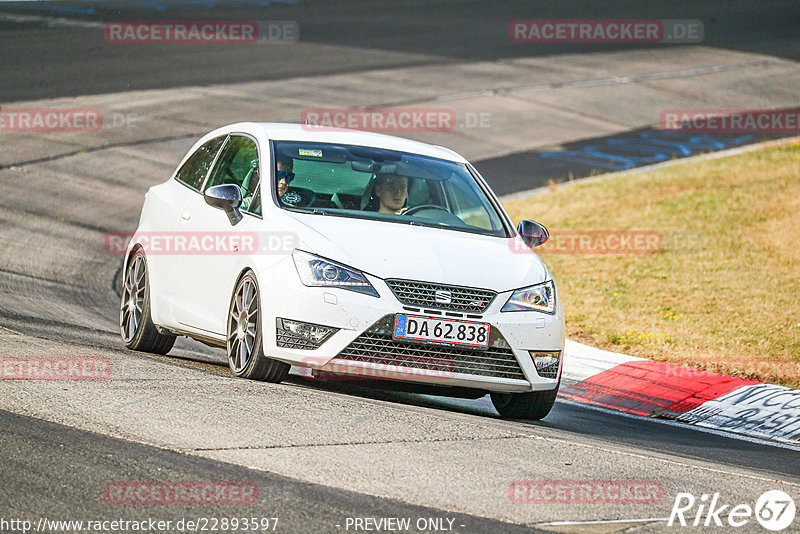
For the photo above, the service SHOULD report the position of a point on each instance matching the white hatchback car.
(351, 253)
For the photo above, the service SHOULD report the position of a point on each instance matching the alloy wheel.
(243, 325)
(132, 303)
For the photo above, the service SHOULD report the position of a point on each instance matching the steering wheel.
(298, 197)
(417, 209)
(435, 213)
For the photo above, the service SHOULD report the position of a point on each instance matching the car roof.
(277, 131)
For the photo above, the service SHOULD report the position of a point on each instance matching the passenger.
(390, 194)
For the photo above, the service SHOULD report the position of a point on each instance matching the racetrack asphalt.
(72, 468)
(342, 36)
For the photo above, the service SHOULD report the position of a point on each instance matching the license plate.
(450, 332)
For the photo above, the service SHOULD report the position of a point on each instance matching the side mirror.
(533, 233)
(226, 197)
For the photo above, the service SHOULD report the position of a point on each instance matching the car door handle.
(186, 215)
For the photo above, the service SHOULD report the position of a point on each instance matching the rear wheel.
(530, 405)
(135, 323)
(245, 348)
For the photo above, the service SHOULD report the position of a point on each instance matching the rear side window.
(194, 171)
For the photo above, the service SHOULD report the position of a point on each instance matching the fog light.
(300, 335)
(546, 363)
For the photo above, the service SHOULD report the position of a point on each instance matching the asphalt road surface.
(71, 468)
(318, 452)
(42, 58)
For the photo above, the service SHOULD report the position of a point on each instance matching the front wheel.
(135, 323)
(245, 348)
(531, 405)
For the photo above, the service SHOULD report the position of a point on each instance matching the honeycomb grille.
(463, 299)
(377, 346)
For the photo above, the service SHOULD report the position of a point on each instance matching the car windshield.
(385, 185)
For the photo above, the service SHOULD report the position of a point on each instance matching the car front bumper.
(363, 346)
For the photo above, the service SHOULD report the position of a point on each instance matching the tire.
(135, 322)
(245, 348)
(531, 405)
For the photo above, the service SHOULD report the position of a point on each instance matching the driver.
(391, 191)
(284, 175)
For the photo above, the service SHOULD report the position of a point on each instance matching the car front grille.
(464, 299)
(377, 346)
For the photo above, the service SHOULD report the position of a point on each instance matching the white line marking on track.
(51, 22)
(603, 522)
(670, 422)
(614, 80)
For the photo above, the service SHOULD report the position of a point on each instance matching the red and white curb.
(657, 389)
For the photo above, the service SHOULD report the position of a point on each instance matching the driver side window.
(238, 164)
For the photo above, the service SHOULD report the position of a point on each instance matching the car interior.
(341, 179)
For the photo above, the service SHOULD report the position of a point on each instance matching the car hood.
(394, 250)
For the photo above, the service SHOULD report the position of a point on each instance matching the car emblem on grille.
(477, 303)
(443, 297)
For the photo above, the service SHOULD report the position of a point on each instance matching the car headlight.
(541, 297)
(317, 271)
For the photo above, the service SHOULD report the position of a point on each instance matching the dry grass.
(724, 293)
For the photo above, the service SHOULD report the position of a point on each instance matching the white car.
(350, 253)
